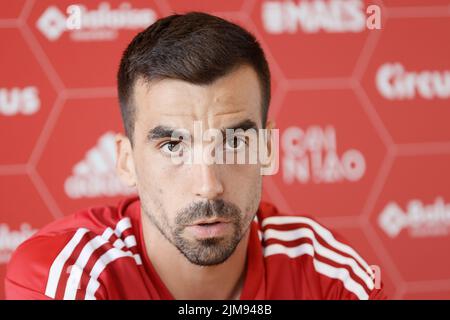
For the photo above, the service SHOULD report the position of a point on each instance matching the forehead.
(178, 103)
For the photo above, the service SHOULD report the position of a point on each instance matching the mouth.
(205, 222)
(210, 228)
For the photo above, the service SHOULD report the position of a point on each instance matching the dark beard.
(209, 251)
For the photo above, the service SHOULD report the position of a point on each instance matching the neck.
(188, 281)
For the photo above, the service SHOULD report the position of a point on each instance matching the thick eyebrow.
(160, 132)
(243, 125)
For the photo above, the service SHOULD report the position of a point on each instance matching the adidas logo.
(420, 219)
(95, 175)
(11, 239)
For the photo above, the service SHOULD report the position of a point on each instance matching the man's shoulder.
(42, 260)
(93, 218)
(316, 251)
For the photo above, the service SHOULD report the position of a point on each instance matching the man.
(198, 229)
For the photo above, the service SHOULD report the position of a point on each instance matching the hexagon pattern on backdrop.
(364, 119)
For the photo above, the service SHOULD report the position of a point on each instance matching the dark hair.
(194, 47)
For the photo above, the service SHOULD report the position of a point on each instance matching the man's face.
(176, 196)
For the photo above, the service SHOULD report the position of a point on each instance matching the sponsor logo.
(419, 219)
(11, 239)
(95, 175)
(14, 101)
(395, 83)
(99, 24)
(330, 16)
(311, 156)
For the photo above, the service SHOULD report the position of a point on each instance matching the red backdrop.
(364, 119)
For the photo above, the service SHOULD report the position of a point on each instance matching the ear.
(125, 163)
(271, 165)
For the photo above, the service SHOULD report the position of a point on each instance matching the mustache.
(208, 209)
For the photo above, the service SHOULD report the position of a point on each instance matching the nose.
(206, 181)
